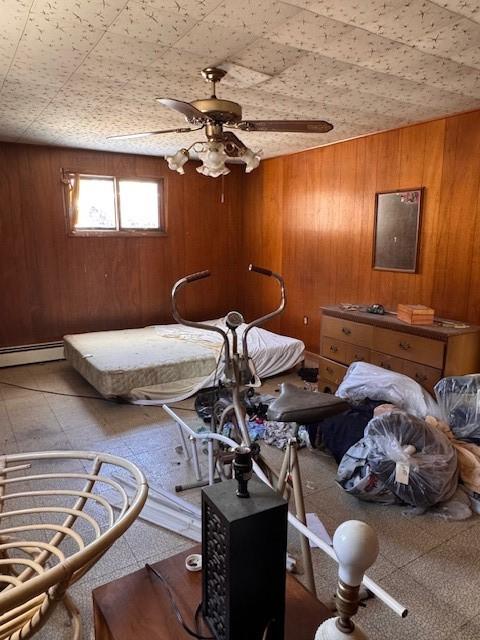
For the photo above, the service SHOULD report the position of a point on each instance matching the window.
(98, 205)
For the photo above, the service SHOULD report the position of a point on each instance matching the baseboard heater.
(31, 353)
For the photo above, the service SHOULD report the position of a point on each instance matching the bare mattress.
(167, 363)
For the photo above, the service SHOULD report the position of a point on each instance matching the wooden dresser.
(424, 353)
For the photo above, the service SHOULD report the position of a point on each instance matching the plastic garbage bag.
(457, 508)
(474, 501)
(364, 380)
(356, 478)
(414, 460)
(340, 432)
(459, 400)
(468, 455)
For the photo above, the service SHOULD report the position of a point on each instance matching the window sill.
(98, 233)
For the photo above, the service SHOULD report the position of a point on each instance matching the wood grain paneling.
(262, 239)
(53, 284)
(322, 222)
(308, 216)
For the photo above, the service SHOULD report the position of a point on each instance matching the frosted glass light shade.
(177, 161)
(213, 157)
(251, 159)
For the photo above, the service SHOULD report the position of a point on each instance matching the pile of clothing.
(274, 433)
(398, 445)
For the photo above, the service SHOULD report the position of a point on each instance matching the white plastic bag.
(364, 380)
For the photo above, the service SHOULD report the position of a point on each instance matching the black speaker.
(244, 543)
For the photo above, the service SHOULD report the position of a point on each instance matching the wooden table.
(137, 607)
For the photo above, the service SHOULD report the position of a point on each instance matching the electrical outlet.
(305, 320)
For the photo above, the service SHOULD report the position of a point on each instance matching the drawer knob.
(333, 348)
(385, 365)
(346, 331)
(420, 377)
(329, 370)
(405, 346)
(358, 358)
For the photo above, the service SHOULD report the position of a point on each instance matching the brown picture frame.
(397, 230)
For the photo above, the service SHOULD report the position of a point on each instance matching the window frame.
(118, 231)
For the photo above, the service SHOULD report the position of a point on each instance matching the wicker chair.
(55, 524)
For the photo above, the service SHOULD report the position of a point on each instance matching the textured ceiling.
(73, 72)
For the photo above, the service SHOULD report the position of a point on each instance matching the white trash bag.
(364, 380)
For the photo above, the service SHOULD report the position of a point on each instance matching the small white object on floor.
(193, 562)
(291, 564)
(318, 528)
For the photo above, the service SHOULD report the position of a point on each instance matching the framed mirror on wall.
(397, 230)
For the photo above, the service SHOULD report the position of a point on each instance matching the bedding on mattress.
(168, 363)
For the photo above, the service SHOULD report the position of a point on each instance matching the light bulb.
(177, 161)
(356, 546)
(251, 159)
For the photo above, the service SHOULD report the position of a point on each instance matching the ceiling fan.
(214, 114)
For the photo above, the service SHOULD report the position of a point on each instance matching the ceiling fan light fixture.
(214, 115)
(177, 161)
(213, 157)
(251, 159)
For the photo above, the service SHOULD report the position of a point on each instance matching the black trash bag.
(339, 433)
(459, 401)
(415, 461)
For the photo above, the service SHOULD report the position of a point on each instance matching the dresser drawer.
(348, 331)
(426, 376)
(334, 349)
(387, 362)
(331, 371)
(354, 353)
(410, 347)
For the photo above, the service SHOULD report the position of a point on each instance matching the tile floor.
(431, 566)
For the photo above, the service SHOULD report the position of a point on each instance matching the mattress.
(167, 363)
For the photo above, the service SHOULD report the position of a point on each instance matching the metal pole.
(211, 464)
(188, 457)
(300, 508)
(196, 464)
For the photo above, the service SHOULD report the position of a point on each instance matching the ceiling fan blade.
(294, 126)
(191, 113)
(126, 136)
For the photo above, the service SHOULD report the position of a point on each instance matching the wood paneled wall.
(310, 215)
(52, 284)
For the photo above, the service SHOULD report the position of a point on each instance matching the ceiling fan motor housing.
(219, 110)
